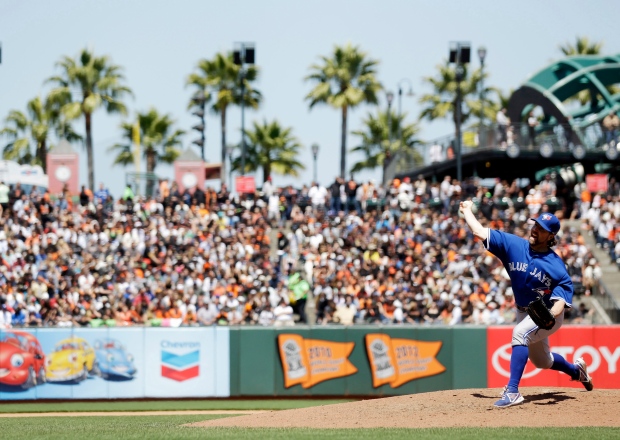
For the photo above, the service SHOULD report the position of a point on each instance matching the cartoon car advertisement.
(112, 361)
(22, 361)
(73, 359)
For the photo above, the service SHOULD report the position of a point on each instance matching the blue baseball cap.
(548, 222)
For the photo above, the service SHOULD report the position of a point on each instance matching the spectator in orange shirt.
(174, 312)
(190, 317)
(123, 316)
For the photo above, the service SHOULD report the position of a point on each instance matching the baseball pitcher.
(542, 290)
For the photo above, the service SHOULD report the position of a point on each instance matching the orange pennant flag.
(398, 361)
(294, 359)
(311, 361)
(415, 360)
(381, 357)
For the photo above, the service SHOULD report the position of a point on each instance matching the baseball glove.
(540, 314)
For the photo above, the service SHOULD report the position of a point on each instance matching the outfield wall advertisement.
(247, 361)
(114, 363)
(598, 345)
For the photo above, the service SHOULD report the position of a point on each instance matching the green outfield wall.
(356, 361)
(222, 361)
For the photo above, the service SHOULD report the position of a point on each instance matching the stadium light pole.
(482, 54)
(229, 151)
(400, 104)
(315, 155)
(459, 55)
(390, 98)
(200, 100)
(244, 54)
(388, 153)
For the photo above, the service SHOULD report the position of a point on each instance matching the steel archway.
(550, 87)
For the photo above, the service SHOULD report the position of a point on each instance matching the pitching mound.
(458, 408)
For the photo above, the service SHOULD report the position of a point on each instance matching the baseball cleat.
(509, 399)
(584, 378)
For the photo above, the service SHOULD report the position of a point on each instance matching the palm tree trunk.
(386, 164)
(89, 152)
(42, 155)
(343, 144)
(458, 119)
(384, 173)
(457, 131)
(223, 152)
(150, 168)
(266, 172)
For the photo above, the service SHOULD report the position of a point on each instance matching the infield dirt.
(557, 407)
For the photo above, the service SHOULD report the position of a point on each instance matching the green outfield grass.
(165, 405)
(168, 428)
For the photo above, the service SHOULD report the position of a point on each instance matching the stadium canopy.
(550, 87)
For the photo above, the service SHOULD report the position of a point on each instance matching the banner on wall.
(597, 182)
(598, 345)
(114, 363)
(183, 362)
(307, 362)
(245, 184)
(396, 361)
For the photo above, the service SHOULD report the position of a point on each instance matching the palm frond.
(157, 135)
(582, 46)
(347, 78)
(17, 150)
(385, 135)
(273, 147)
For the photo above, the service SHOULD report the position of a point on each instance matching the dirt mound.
(456, 408)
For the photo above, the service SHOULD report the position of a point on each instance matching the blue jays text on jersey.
(522, 267)
(512, 266)
(541, 276)
(532, 273)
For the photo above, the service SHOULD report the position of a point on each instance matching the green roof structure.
(550, 87)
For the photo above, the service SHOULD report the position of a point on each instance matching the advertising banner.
(598, 345)
(245, 184)
(597, 182)
(184, 362)
(114, 363)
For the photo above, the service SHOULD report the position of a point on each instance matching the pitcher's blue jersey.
(532, 273)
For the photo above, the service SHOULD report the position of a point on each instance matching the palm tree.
(344, 80)
(89, 83)
(383, 141)
(222, 77)
(273, 149)
(160, 142)
(583, 46)
(441, 102)
(34, 128)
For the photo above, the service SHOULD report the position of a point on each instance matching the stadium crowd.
(361, 252)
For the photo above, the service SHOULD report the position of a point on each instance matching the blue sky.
(160, 42)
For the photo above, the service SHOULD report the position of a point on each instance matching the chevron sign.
(180, 360)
